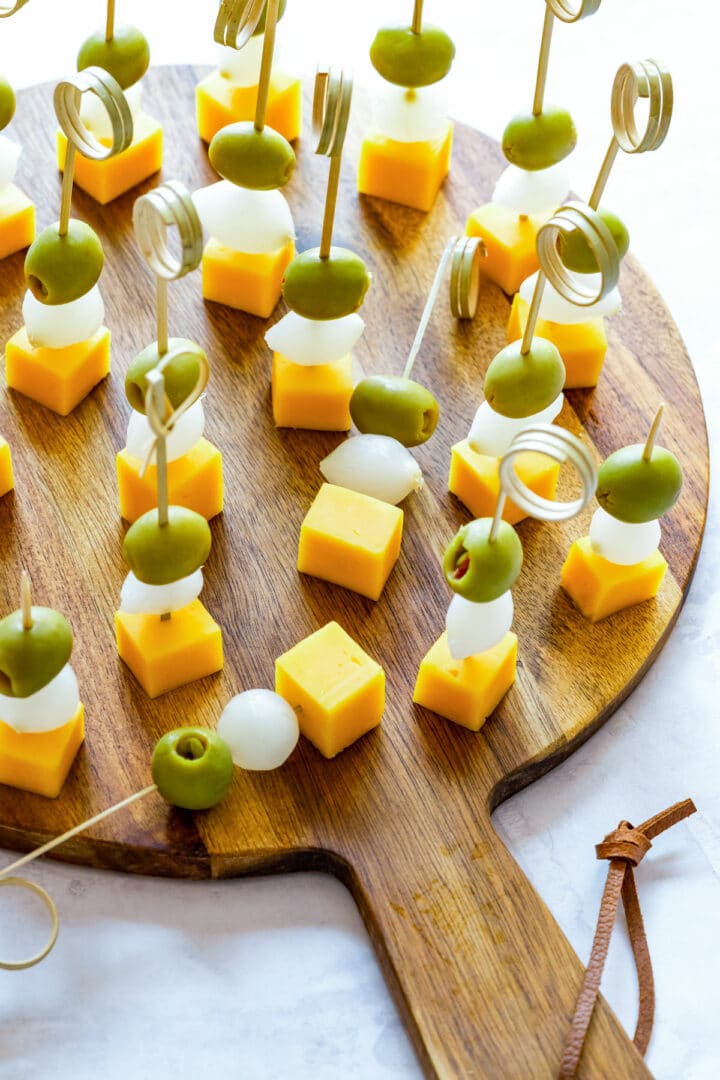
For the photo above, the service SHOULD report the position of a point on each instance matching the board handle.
(483, 975)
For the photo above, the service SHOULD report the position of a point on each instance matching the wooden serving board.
(484, 977)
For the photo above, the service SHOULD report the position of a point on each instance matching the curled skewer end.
(560, 446)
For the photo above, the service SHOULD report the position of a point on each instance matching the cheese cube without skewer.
(336, 688)
(350, 539)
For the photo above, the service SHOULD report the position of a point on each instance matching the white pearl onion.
(9, 156)
(374, 465)
(242, 66)
(185, 435)
(94, 114)
(539, 193)
(622, 542)
(474, 628)
(137, 598)
(55, 326)
(411, 115)
(51, 707)
(491, 433)
(555, 308)
(243, 219)
(260, 728)
(314, 341)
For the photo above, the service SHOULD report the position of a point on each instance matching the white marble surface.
(275, 978)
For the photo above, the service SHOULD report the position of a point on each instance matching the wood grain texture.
(484, 977)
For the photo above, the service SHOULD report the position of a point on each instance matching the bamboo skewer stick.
(543, 61)
(110, 21)
(271, 17)
(497, 517)
(429, 305)
(68, 181)
(533, 314)
(58, 840)
(653, 433)
(26, 601)
(331, 195)
(162, 315)
(417, 17)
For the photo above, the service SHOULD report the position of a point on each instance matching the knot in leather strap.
(624, 847)
(625, 843)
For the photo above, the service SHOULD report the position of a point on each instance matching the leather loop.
(625, 847)
(626, 843)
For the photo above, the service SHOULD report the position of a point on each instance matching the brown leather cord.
(624, 847)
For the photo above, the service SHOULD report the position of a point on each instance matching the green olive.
(537, 142)
(192, 768)
(181, 373)
(261, 160)
(160, 554)
(517, 385)
(326, 288)
(30, 659)
(126, 56)
(59, 269)
(634, 490)
(7, 102)
(394, 406)
(408, 59)
(575, 252)
(260, 28)
(481, 569)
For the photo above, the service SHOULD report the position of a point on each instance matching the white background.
(275, 978)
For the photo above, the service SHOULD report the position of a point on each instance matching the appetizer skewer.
(619, 564)
(41, 716)
(163, 632)
(471, 666)
(407, 156)
(195, 472)
(579, 333)
(524, 382)
(17, 212)
(191, 769)
(124, 53)
(324, 288)
(252, 237)
(230, 93)
(535, 183)
(63, 350)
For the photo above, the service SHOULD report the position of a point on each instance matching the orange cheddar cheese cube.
(107, 179)
(247, 282)
(219, 102)
(165, 654)
(59, 379)
(336, 688)
(316, 397)
(39, 762)
(466, 691)
(599, 588)
(509, 242)
(410, 173)
(582, 345)
(350, 539)
(7, 479)
(17, 220)
(195, 481)
(475, 479)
